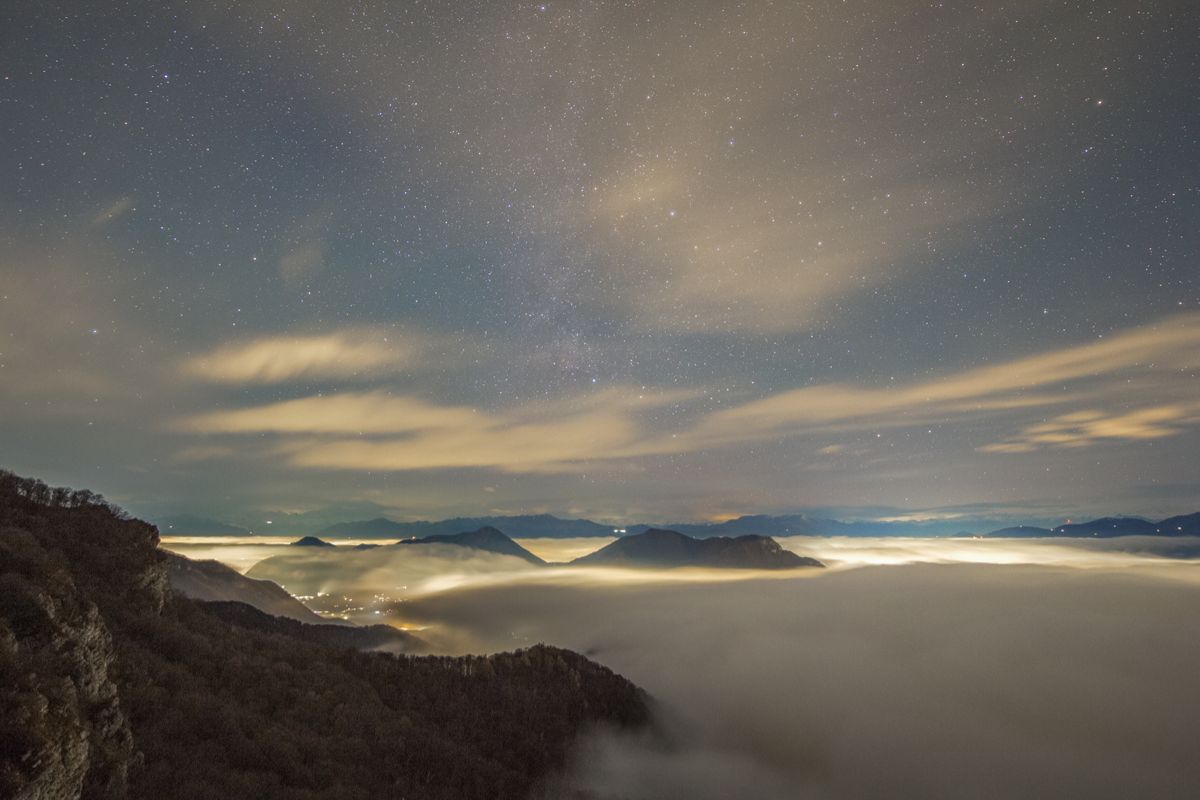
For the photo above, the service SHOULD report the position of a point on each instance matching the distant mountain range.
(548, 526)
(1108, 527)
(527, 526)
(1020, 532)
(535, 526)
(192, 525)
(651, 548)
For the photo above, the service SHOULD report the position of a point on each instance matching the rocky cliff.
(111, 686)
(63, 732)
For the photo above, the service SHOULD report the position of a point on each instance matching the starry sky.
(625, 260)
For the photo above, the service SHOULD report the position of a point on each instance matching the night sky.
(625, 260)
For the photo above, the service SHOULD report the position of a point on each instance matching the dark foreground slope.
(358, 637)
(213, 581)
(663, 548)
(111, 686)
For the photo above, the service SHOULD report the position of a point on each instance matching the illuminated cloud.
(732, 191)
(346, 412)
(1086, 428)
(769, 252)
(495, 443)
(203, 452)
(926, 680)
(352, 353)
(380, 431)
(1156, 352)
(396, 432)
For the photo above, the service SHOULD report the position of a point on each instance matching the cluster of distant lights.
(349, 606)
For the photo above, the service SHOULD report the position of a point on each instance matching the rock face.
(66, 720)
(63, 732)
(486, 538)
(113, 686)
(213, 581)
(663, 548)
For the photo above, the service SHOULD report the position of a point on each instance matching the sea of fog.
(242, 553)
(931, 668)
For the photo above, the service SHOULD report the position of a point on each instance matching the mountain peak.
(661, 547)
(311, 541)
(487, 538)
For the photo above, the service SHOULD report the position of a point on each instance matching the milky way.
(622, 260)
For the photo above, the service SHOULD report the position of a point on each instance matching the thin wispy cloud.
(113, 211)
(400, 432)
(382, 431)
(344, 354)
(1155, 353)
(346, 412)
(1087, 428)
(747, 204)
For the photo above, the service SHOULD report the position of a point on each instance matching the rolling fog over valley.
(907, 667)
(921, 681)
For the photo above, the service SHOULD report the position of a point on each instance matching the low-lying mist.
(904, 681)
(1121, 551)
(908, 668)
(358, 584)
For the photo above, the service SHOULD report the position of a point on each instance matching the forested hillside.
(111, 686)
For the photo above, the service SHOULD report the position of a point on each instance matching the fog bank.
(924, 680)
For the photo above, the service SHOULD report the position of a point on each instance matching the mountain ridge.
(212, 581)
(660, 547)
(534, 526)
(1110, 528)
(486, 538)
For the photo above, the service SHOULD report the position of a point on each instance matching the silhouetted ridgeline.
(486, 538)
(311, 541)
(111, 686)
(1186, 525)
(210, 580)
(663, 548)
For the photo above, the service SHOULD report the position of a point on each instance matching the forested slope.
(111, 686)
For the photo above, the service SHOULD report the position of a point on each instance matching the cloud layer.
(343, 354)
(399, 432)
(913, 681)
